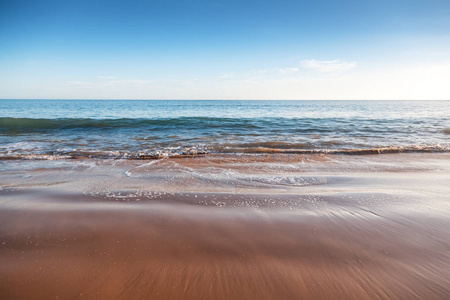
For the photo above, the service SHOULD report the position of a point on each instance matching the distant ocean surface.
(53, 129)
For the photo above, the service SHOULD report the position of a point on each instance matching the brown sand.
(224, 246)
(154, 250)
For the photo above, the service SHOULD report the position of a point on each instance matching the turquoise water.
(128, 128)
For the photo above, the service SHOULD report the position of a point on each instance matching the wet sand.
(357, 234)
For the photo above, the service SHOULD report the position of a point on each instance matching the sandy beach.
(252, 227)
(225, 150)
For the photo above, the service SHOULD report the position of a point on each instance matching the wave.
(143, 138)
(203, 151)
(356, 151)
(32, 125)
(271, 124)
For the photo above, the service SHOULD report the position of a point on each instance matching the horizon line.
(174, 99)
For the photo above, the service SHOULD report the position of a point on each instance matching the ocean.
(61, 129)
(250, 199)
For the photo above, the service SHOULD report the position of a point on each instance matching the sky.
(180, 49)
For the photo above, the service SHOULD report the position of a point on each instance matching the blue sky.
(322, 49)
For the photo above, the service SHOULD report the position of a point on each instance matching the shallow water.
(227, 227)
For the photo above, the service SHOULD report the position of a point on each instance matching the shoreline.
(214, 151)
(292, 227)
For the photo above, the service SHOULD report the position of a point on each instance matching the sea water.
(52, 129)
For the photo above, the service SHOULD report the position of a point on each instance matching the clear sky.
(237, 49)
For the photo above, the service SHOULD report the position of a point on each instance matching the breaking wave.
(153, 138)
(193, 152)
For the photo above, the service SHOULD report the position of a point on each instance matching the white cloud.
(424, 81)
(327, 66)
